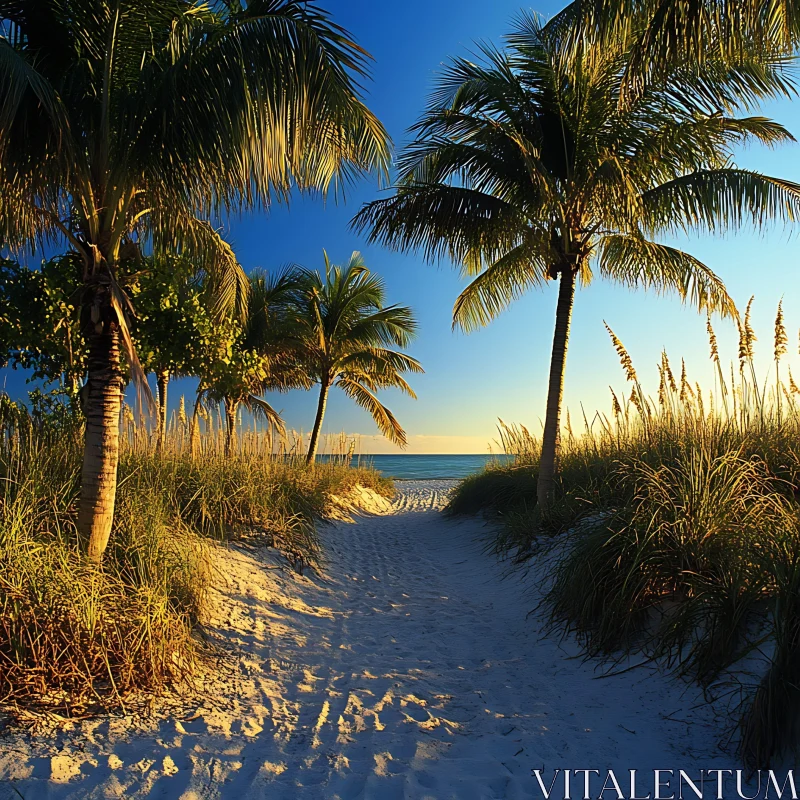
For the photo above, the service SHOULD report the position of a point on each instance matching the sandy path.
(409, 671)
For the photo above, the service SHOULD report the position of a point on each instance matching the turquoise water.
(426, 467)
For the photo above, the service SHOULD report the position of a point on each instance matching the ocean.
(426, 467)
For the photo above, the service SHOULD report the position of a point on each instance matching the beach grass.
(676, 529)
(75, 638)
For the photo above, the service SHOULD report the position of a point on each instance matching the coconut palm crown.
(346, 334)
(131, 123)
(526, 168)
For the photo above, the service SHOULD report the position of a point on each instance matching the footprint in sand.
(409, 670)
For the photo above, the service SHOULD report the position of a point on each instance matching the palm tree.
(257, 357)
(526, 169)
(131, 123)
(345, 335)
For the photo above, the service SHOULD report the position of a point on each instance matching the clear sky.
(501, 371)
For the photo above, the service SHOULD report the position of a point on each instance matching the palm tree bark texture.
(163, 386)
(551, 437)
(315, 433)
(103, 403)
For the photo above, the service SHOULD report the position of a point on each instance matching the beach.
(408, 669)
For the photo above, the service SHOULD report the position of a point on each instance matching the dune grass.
(75, 638)
(678, 533)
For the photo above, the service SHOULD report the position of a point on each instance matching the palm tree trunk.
(323, 401)
(101, 449)
(163, 383)
(230, 432)
(555, 391)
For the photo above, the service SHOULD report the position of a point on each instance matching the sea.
(427, 467)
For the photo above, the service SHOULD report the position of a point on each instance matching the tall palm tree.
(126, 123)
(345, 335)
(258, 357)
(525, 169)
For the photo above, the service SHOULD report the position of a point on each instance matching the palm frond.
(135, 118)
(390, 325)
(637, 262)
(443, 221)
(379, 360)
(268, 325)
(260, 408)
(712, 199)
(227, 282)
(276, 84)
(28, 103)
(698, 31)
(498, 286)
(384, 418)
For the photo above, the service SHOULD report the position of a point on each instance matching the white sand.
(408, 671)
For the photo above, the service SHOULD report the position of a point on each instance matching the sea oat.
(637, 402)
(624, 357)
(712, 340)
(749, 333)
(686, 389)
(616, 408)
(662, 387)
(668, 371)
(781, 339)
(792, 384)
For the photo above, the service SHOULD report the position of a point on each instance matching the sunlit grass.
(75, 637)
(676, 521)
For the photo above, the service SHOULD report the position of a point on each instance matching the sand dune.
(408, 671)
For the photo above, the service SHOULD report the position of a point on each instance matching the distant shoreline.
(422, 455)
(426, 466)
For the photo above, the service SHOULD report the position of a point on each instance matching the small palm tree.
(527, 169)
(256, 358)
(345, 335)
(130, 122)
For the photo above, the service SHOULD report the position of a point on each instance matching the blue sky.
(501, 371)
